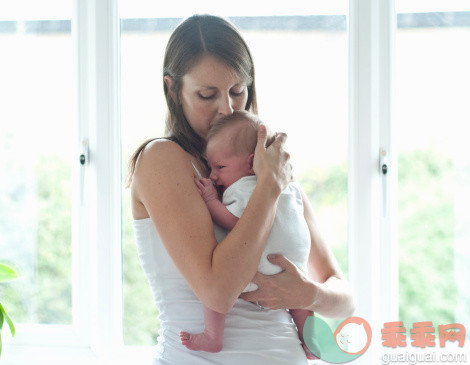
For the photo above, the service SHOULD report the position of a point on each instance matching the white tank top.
(251, 337)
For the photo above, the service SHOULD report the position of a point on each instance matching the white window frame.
(96, 333)
(372, 238)
(96, 330)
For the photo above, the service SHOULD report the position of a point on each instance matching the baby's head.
(230, 148)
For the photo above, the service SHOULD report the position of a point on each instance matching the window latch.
(83, 161)
(384, 167)
(84, 154)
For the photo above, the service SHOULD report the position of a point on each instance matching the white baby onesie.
(289, 235)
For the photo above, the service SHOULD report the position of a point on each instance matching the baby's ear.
(250, 161)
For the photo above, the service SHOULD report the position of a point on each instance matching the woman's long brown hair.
(195, 37)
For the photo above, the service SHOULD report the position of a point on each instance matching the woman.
(209, 73)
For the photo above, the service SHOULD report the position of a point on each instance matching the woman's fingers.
(272, 161)
(283, 262)
(279, 143)
(259, 279)
(280, 138)
(262, 138)
(279, 291)
(255, 295)
(266, 293)
(251, 296)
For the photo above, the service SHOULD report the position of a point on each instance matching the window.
(38, 117)
(432, 115)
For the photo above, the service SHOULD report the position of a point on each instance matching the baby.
(230, 150)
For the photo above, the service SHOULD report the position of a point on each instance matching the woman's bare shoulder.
(162, 146)
(160, 163)
(159, 154)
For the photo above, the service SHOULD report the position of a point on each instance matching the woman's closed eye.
(239, 90)
(209, 96)
(236, 93)
(206, 97)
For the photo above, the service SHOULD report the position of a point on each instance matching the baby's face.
(226, 165)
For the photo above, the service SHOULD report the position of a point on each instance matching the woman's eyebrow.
(215, 87)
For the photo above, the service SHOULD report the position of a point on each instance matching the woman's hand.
(206, 188)
(272, 162)
(290, 289)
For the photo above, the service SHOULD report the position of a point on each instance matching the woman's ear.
(169, 84)
(250, 161)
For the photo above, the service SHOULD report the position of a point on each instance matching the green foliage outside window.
(427, 286)
(44, 293)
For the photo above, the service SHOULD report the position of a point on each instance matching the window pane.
(38, 123)
(301, 78)
(433, 112)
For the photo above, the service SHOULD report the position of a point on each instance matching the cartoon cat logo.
(353, 335)
(350, 340)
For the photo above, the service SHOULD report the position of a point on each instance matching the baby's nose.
(213, 176)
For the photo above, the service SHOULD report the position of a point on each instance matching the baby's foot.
(308, 353)
(201, 342)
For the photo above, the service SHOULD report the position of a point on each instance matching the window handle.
(84, 152)
(83, 159)
(384, 167)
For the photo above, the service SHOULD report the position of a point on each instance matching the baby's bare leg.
(211, 339)
(300, 316)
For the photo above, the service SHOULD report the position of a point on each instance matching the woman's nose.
(225, 105)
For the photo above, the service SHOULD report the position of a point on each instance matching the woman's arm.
(324, 291)
(332, 295)
(164, 183)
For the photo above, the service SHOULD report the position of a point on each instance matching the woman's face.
(210, 91)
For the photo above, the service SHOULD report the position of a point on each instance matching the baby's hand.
(206, 189)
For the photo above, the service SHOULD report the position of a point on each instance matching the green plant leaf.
(7, 273)
(10, 324)
(8, 319)
(1, 325)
